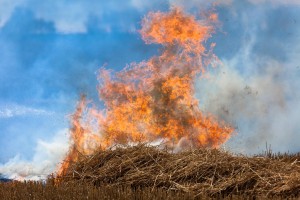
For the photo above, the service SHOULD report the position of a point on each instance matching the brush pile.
(200, 172)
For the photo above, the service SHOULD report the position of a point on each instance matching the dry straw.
(198, 172)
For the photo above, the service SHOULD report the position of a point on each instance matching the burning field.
(148, 172)
(152, 135)
(153, 101)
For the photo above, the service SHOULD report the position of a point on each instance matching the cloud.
(43, 71)
(73, 17)
(46, 159)
(19, 110)
(69, 18)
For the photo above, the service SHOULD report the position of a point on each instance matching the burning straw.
(153, 100)
(199, 172)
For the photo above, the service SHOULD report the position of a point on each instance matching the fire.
(153, 100)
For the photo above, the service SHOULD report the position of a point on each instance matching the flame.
(153, 100)
(83, 140)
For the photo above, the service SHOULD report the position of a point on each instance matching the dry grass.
(79, 191)
(195, 172)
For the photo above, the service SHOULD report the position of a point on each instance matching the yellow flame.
(154, 99)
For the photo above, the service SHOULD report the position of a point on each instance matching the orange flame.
(154, 100)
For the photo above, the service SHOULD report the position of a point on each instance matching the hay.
(199, 172)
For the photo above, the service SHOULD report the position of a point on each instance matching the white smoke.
(277, 2)
(256, 90)
(264, 106)
(47, 157)
(244, 103)
(199, 3)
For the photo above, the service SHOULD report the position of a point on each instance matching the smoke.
(255, 89)
(199, 3)
(261, 106)
(44, 162)
(276, 2)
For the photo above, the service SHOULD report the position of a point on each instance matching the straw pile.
(199, 172)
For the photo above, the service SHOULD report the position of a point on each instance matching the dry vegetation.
(40, 191)
(143, 172)
(197, 172)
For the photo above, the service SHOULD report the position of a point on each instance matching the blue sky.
(50, 52)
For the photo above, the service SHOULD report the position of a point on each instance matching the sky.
(51, 50)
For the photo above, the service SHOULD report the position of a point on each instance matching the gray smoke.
(256, 88)
(264, 107)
